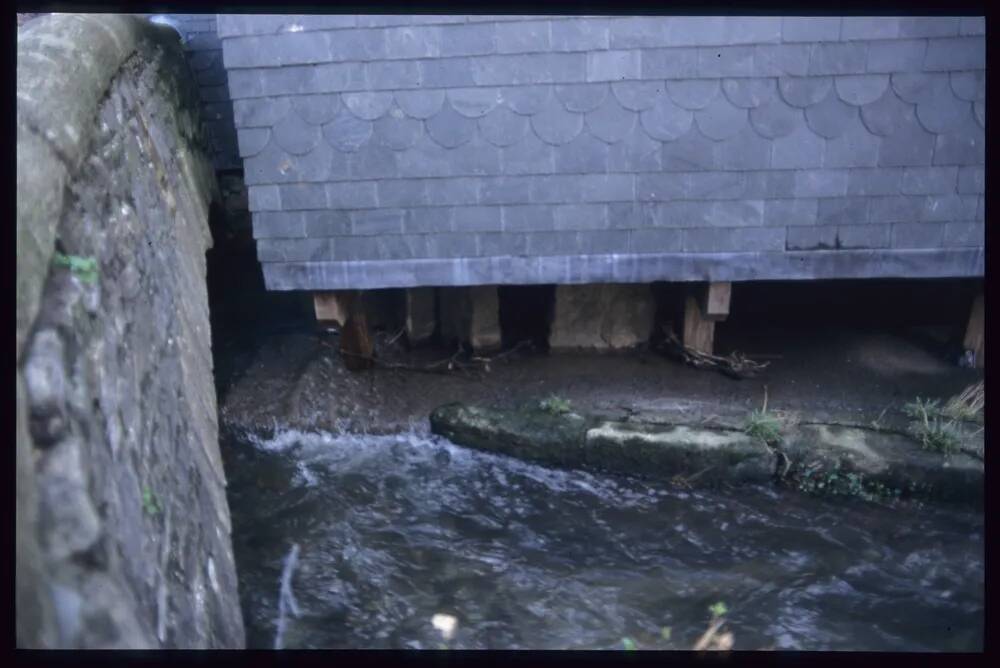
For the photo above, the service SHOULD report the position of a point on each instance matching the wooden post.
(699, 331)
(715, 301)
(346, 308)
(974, 332)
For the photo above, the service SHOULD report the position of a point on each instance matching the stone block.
(602, 316)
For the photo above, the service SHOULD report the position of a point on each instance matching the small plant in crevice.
(555, 405)
(85, 268)
(930, 428)
(150, 505)
(762, 425)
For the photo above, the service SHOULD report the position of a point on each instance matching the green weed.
(83, 267)
(555, 405)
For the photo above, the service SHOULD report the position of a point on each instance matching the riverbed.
(394, 529)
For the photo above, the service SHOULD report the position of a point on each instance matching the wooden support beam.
(699, 331)
(332, 307)
(975, 331)
(714, 301)
(421, 317)
(347, 309)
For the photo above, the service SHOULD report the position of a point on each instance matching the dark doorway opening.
(526, 314)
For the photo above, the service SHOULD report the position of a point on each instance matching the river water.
(393, 530)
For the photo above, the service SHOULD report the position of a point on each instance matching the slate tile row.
(415, 36)
(316, 76)
(897, 236)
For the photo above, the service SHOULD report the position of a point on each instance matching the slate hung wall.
(203, 49)
(396, 151)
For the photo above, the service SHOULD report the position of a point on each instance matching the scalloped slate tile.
(636, 152)
(475, 158)
(396, 130)
(252, 140)
(366, 105)
(720, 119)
(346, 132)
(908, 145)
(526, 100)
(804, 91)
(529, 156)
(692, 151)
(316, 109)
(803, 148)
(692, 94)
(942, 113)
(373, 161)
(970, 86)
(746, 150)
(585, 154)
(860, 89)
(610, 121)
(294, 136)
(748, 93)
(830, 117)
(965, 145)
(885, 114)
(260, 112)
(920, 87)
(775, 118)
(420, 104)
(449, 128)
(637, 95)
(554, 125)
(503, 127)
(665, 120)
(581, 98)
(474, 102)
(979, 108)
(425, 159)
(855, 147)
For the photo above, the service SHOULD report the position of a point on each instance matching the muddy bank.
(847, 376)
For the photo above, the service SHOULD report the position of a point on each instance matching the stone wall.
(123, 530)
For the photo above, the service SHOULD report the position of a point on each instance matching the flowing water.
(393, 530)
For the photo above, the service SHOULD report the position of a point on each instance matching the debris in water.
(286, 599)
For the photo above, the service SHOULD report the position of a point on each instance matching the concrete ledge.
(631, 268)
(825, 459)
(65, 63)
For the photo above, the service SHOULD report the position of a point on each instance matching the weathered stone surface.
(893, 460)
(602, 316)
(671, 450)
(120, 488)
